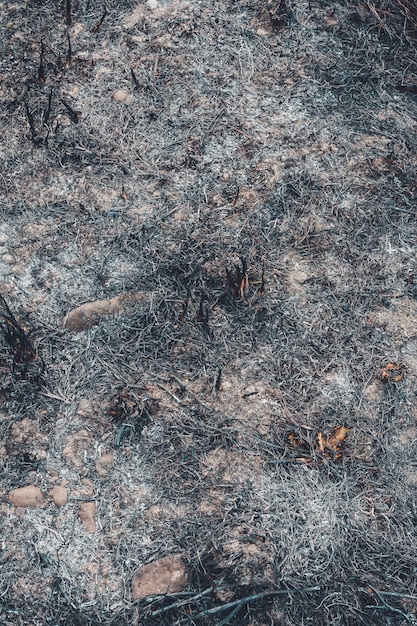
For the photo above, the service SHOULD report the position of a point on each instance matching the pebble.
(59, 495)
(120, 95)
(87, 513)
(104, 464)
(167, 575)
(29, 496)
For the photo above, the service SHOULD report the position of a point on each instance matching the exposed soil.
(208, 314)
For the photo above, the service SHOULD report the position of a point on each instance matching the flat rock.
(59, 495)
(29, 496)
(91, 313)
(167, 575)
(87, 513)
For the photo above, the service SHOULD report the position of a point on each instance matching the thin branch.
(256, 596)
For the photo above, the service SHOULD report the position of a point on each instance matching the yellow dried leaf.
(294, 439)
(337, 438)
(340, 433)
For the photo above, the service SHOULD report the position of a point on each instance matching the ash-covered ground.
(225, 431)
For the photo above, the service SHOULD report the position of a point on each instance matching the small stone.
(29, 496)
(104, 464)
(20, 511)
(152, 4)
(120, 95)
(167, 575)
(59, 495)
(87, 513)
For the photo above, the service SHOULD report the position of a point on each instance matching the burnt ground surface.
(248, 168)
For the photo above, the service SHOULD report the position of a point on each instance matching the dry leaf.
(322, 441)
(392, 373)
(334, 442)
(339, 435)
(292, 438)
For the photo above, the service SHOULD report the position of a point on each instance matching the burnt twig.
(47, 112)
(97, 27)
(68, 18)
(69, 52)
(74, 116)
(18, 340)
(42, 68)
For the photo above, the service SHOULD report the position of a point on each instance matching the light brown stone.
(20, 511)
(104, 464)
(120, 95)
(167, 575)
(91, 313)
(29, 496)
(59, 495)
(87, 513)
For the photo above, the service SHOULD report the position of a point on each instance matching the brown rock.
(104, 464)
(167, 575)
(29, 496)
(87, 513)
(59, 495)
(91, 313)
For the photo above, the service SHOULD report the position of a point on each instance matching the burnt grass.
(251, 168)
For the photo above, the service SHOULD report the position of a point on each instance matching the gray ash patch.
(222, 196)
